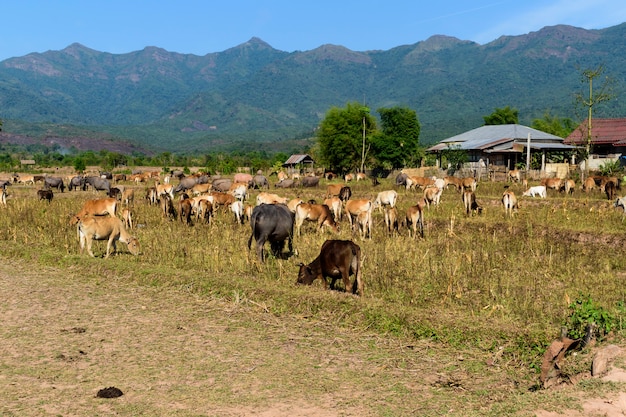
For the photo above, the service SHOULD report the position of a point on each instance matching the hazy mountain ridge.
(253, 92)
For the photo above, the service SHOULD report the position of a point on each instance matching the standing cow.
(273, 223)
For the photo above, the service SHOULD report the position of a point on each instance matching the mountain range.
(253, 96)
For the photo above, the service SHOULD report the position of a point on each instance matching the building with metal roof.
(503, 145)
(608, 136)
(297, 161)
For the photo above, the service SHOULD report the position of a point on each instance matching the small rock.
(110, 392)
(600, 364)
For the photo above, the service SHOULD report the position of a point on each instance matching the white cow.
(385, 198)
(539, 190)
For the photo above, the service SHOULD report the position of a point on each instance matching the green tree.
(397, 144)
(504, 116)
(554, 125)
(79, 164)
(341, 136)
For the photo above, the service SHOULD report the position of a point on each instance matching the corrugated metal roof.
(297, 159)
(603, 131)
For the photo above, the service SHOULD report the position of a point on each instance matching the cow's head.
(133, 246)
(305, 275)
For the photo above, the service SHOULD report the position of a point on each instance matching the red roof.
(603, 131)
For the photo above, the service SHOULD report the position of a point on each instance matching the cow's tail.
(357, 286)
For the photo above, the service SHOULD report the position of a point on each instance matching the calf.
(356, 207)
(391, 220)
(432, 195)
(470, 204)
(509, 202)
(539, 190)
(108, 228)
(128, 196)
(337, 259)
(167, 206)
(184, 210)
(335, 205)
(45, 195)
(127, 218)
(588, 185)
(414, 219)
(315, 212)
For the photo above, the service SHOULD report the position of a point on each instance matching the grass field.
(452, 324)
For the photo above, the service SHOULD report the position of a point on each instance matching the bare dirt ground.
(64, 337)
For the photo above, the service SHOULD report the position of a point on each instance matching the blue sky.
(204, 26)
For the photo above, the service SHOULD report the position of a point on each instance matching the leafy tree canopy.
(397, 144)
(340, 136)
(561, 127)
(504, 116)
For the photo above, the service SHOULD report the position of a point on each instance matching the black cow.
(45, 195)
(273, 223)
(54, 182)
(76, 183)
(259, 181)
(345, 193)
(115, 193)
(98, 184)
(337, 259)
(185, 184)
(310, 181)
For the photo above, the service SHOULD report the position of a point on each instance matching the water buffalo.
(222, 185)
(285, 184)
(98, 184)
(54, 182)
(185, 184)
(310, 181)
(401, 179)
(45, 195)
(259, 181)
(76, 183)
(273, 223)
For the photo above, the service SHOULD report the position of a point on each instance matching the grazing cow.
(361, 176)
(273, 223)
(222, 185)
(285, 184)
(184, 210)
(509, 202)
(128, 196)
(54, 182)
(167, 206)
(310, 181)
(610, 190)
(239, 191)
(237, 208)
(421, 182)
(120, 177)
(330, 175)
(515, 175)
(333, 190)
(356, 207)
(470, 204)
(335, 205)
(315, 212)
(198, 189)
(621, 202)
(391, 220)
(151, 195)
(204, 210)
(401, 179)
(96, 207)
(337, 259)
(569, 187)
(539, 190)
(98, 184)
(432, 195)
(268, 198)
(259, 181)
(457, 182)
(75, 183)
(115, 193)
(185, 184)
(414, 219)
(469, 183)
(348, 177)
(345, 193)
(441, 183)
(385, 198)
(45, 195)
(553, 183)
(293, 203)
(588, 185)
(163, 189)
(127, 218)
(92, 228)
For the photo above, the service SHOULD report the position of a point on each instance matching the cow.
(570, 185)
(236, 207)
(610, 190)
(92, 228)
(620, 202)
(96, 207)
(98, 184)
(314, 212)
(329, 175)
(470, 204)
(539, 190)
(514, 175)
(167, 206)
(421, 182)
(281, 175)
(25, 179)
(222, 199)
(335, 205)
(469, 183)
(509, 202)
(239, 191)
(391, 220)
(345, 193)
(127, 218)
(588, 185)
(222, 185)
(163, 189)
(128, 196)
(310, 181)
(3, 195)
(285, 184)
(337, 259)
(273, 223)
(76, 182)
(119, 177)
(204, 210)
(348, 177)
(45, 195)
(184, 210)
(151, 195)
(360, 176)
(54, 182)
(414, 219)
(385, 198)
(198, 189)
(553, 183)
(259, 181)
(457, 182)
(333, 190)
(432, 195)
(293, 203)
(115, 193)
(242, 177)
(356, 207)
(268, 198)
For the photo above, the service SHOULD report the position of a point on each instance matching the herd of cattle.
(274, 218)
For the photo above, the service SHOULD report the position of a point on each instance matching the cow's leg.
(89, 251)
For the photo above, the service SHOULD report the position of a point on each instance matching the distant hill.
(252, 93)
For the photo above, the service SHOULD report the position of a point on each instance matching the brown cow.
(356, 207)
(469, 183)
(96, 207)
(432, 195)
(554, 183)
(222, 200)
(269, 198)
(184, 210)
(315, 212)
(127, 218)
(45, 195)
(335, 205)
(108, 228)
(509, 201)
(333, 190)
(457, 182)
(610, 190)
(515, 175)
(414, 219)
(470, 204)
(337, 259)
(391, 220)
(588, 185)
(569, 187)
